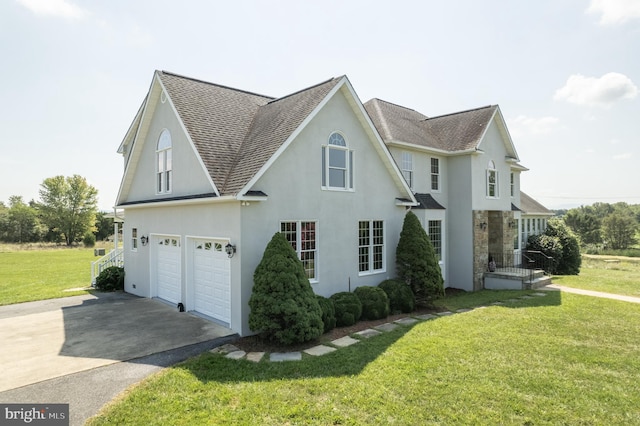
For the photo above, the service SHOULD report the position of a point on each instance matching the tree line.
(65, 213)
(604, 225)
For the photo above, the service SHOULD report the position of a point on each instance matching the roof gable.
(530, 206)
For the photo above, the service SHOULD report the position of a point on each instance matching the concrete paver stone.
(425, 317)
(319, 350)
(285, 356)
(255, 356)
(406, 321)
(369, 332)
(386, 327)
(444, 314)
(344, 341)
(236, 355)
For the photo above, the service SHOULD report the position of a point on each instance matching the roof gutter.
(433, 150)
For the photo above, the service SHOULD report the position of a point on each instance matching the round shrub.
(328, 313)
(401, 298)
(89, 240)
(110, 279)
(348, 308)
(283, 305)
(375, 303)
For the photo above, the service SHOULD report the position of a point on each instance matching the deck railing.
(113, 258)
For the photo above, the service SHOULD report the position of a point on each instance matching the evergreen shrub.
(401, 298)
(348, 308)
(375, 303)
(110, 279)
(328, 313)
(559, 242)
(284, 307)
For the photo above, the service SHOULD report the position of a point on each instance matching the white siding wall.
(494, 149)
(460, 222)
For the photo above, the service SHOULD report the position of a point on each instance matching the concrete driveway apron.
(52, 338)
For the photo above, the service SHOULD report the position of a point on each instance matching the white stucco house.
(211, 173)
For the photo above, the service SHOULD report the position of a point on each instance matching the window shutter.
(324, 166)
(350, 169)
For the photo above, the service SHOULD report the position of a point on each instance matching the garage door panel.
(211, 280)
(168, 269)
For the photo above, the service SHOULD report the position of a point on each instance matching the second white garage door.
(212, 279)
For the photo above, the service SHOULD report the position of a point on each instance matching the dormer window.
(164, 163)
(337, 164)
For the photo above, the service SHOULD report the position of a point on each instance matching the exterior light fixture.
(482, 225)
(230, 249)
(144, 240)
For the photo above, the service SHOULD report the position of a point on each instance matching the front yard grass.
(557, 359)
(28, 275)
(618, 275)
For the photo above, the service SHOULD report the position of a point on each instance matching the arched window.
(492, 180)
(337, 163)
(164, 163)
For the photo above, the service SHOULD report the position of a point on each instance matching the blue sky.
(565, 74)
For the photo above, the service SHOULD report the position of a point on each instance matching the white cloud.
(60, 8)
(592, 91)
(615, 11)
(530, 125)
(624, 156)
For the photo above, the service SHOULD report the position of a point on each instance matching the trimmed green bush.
(283, 305)
(328, 313)
(401, 298)
(348, 308)
(89, 240)
(559, 242)
(416, 260)
(110, 279)
(375, 303)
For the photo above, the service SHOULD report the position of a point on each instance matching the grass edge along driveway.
(559, 359)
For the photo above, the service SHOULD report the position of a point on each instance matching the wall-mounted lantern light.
(144, 240)
(230, 249)
(482, 225)
(512, 224)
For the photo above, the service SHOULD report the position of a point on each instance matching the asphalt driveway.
(54, 338)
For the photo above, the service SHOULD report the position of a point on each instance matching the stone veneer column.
(480, 248)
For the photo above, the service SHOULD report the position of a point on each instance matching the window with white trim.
(435, 236)
(513, 180)
(164, 163)
(492, 181)
(407, 168)
(337, 163)
(302, 237)
(435, 174)
(371, 256)
(134, 239)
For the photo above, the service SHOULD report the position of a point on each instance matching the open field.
(610, 274)
(30, 273)
(558, 359)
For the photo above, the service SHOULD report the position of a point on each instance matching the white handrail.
(113, 258)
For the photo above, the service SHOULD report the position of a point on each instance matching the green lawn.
(28, 275)
(558, 359)
(621, 277)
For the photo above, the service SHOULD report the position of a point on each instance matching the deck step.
(537, 282)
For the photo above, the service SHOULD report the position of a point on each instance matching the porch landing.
(515, 279)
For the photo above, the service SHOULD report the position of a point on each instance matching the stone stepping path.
(232, 352)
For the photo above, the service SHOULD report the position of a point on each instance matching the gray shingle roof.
(530, 206)
(237, 132)
(428, 202)
(459, 131)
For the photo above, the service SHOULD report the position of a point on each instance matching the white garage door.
(168, 269)
(211, 279)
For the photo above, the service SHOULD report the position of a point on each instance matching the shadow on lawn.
(347, 361)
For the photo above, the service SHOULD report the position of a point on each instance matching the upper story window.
(164, 163)
(407, 168)
(513, 183)
(492, 181)
(337, 164)
(435, 174)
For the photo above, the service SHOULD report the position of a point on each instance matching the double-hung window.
(435, 236)
(513, 184)
(407, 168)
(435, 174)
(371, 257)
(337, 164)
(492, 181)
(302, 237)
(164, 163)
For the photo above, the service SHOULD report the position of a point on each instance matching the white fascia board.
(406, 203)
(174, 203)
(436, 151)
(508, 140)
(379, 144)
(133, 127)
(290, 139)
(516, 166)
(184, 129)
(128, 172)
